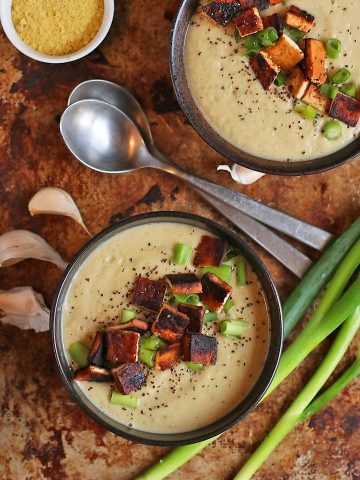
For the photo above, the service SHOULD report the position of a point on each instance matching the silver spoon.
(122, 99)
(105, 139)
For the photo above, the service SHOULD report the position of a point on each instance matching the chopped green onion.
(252, 42)
(328, 90)
(341, 76)
(308, 111)
(182, 253)
(210, 317)
(152, 343)
(223, 272)
(237, 35)
(79, 353)
(280, 79)
(251, 52)
(228, 305)
(147, 356)
(189, 298)
(295, 34)
(332, 130)
(268, 37)
(299, 106)
(349, 89)
(333, 92)
(127, 315)
(233, 328)
(333, 48)
(232, 253)
(194, 367)
(127, 401)
(241, 275)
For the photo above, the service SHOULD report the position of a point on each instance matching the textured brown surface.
(43, 434)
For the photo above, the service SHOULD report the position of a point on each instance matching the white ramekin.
(9, 29)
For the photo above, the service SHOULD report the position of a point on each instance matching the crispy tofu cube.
(215, 292)
(299, 19)
(221, 12)
(167, 357)
(200, 348)
(210, 252)
(313, 97)
(129, 377)
(265, 69)
(298, 83)
(260, 4)
(149, 294)
(249, 22)
(170, 324)
(315, 57)
(184, 283)
(195, 314)
(275, 2)
(135, 325)
(346, 109)
(122, 346)
(285, 53)
(98, 350)
(276, 21)
(91, 373)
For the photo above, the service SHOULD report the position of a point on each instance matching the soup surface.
(233, 101)
(174, 400)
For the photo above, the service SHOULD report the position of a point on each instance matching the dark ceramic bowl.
(228, 420)
(183, 94)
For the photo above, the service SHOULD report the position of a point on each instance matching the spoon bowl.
(101, 136)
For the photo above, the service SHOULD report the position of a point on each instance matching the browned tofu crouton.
(248, 22)
(265, 69)
(91, 373)
(98, 350)
(299, 19)
(135, 325)
(184, 283)
(215, 292)
(346, 109)
(298, 83)
(313, 97)
(195, 314)
(285, 53)
(149, 294)
(167, 357)
(275, 2)
(276, 21)
(315, 57)
(170, 324)
(200, 349)
(122, 346)
(211, 251)
(260, 4)
(221, 12)
(129, 377)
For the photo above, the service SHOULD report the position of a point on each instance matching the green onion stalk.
(302, 407)
(329, 313)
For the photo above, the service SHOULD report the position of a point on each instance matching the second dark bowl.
(186, 101)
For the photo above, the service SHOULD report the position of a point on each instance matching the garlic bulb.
(242, 175)
(51, 200)
(18, 245)
(24, 308)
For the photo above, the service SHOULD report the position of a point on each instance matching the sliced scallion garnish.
(223, 272)
(295, 34)
(79, 353)
(280, 79)
(228, 305)
(232, 253)
(333, 48)
(127, 401)
(341, 76)
(152, 343)
(268, 37)
(194, 367)
(349, 89)
(332, 130)
(190, 298)
(237, 35)
(127, 315)
(241, 274)
(233, 327)
(252, 42)
(147, 356)
(182, 253)
(210, 317)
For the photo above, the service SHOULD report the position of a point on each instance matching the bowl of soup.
(256, 126)
(175, 369)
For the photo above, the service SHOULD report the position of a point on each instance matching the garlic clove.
(18, 245)
(56, 201)
(24, 308)
(242, 175)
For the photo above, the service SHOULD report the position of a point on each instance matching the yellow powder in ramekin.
(57, 27)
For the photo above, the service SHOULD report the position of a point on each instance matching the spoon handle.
(293, 227)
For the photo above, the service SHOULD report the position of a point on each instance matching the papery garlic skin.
(24, 308)
(56, 201)
(241, 175)
(18, 245)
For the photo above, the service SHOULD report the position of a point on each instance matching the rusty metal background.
(43, 434)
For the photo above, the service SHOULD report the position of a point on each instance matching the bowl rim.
(241, 410)
(215, 140)
(19, 44)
